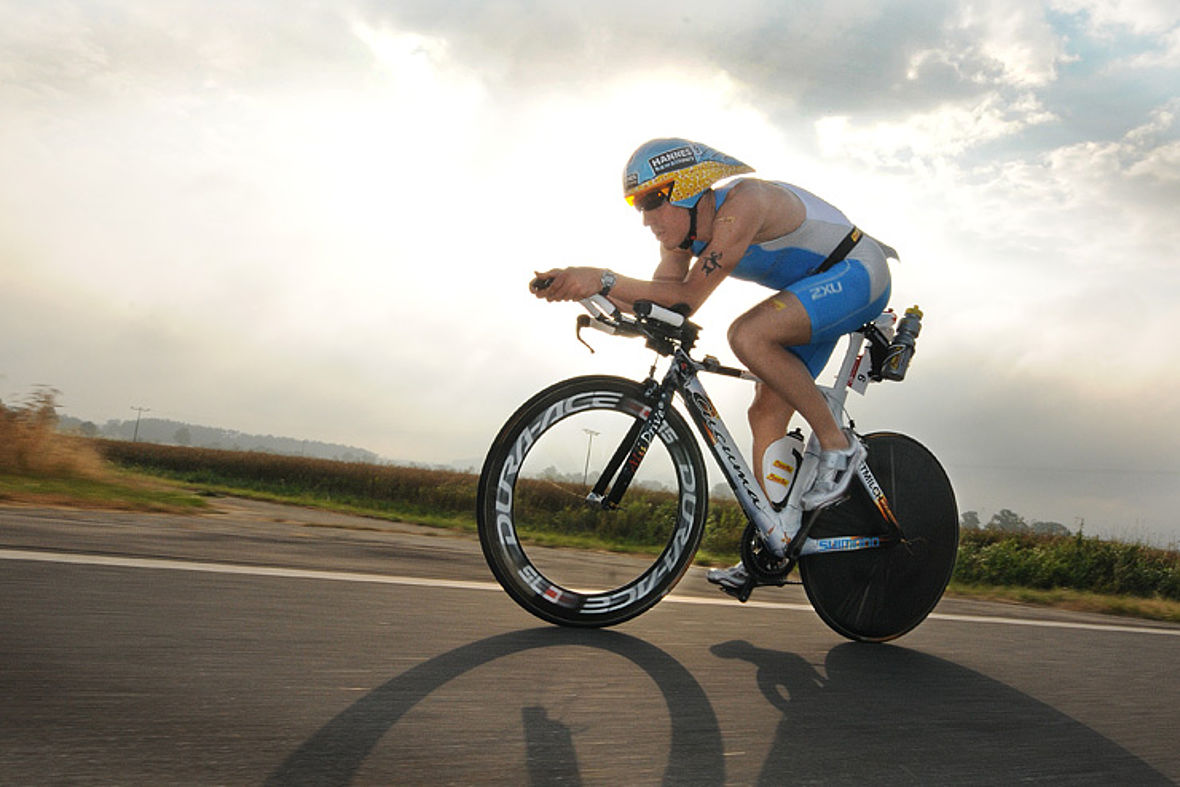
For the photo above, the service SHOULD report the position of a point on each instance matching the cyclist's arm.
(673, 268)
(677, 279)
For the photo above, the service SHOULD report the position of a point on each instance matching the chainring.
(764, 566)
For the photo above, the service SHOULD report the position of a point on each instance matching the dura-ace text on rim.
(506, 533)
(532, 586)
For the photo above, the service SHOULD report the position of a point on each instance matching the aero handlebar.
(660, 325)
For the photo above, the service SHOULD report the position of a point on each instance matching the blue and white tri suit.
(839, 300)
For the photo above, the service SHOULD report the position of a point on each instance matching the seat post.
(837, 393)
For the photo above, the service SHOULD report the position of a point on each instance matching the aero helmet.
(689, 167)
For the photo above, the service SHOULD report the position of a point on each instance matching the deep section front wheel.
(534, 502)
(879, 594)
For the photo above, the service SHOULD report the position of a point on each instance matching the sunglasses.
(650, 200)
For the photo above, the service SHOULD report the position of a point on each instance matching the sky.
(318, 219)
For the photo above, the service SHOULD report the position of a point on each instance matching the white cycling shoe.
(731, 579)
(836, 469)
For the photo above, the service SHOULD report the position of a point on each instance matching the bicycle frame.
(780, 526)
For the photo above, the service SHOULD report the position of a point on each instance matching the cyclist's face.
(668, 223)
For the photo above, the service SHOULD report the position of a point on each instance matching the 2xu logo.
(824, 290)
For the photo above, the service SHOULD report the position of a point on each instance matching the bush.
(1075, 562)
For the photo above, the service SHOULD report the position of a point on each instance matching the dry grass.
(30, 444)
(40, 466)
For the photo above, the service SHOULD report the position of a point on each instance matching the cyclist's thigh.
(843, 298)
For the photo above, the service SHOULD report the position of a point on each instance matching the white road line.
(459, 584)
(232, 568)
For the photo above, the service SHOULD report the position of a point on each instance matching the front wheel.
(879, 594)
(533, 500)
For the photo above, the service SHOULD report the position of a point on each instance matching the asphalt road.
(274, 645)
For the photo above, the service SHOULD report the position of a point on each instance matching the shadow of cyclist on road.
(338, 750)
(884, 714)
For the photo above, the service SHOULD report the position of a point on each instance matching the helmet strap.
(692, 228)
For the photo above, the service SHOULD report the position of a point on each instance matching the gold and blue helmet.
(680, 170)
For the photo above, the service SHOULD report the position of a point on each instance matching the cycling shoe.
(731, 579)
(836, 469)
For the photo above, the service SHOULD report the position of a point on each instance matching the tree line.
(162, 431)
(1008, 521)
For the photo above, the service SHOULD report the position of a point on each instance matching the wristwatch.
(608, 281)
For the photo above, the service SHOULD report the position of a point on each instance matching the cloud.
(999, 44)
(1140, 17)
(928, 138)
(318, 220)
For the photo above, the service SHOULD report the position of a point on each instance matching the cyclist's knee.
(776, 322)
(744, 337)
(736, 337)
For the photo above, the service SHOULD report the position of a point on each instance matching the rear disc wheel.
(879, 594)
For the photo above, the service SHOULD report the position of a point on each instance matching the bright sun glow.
(298, 220)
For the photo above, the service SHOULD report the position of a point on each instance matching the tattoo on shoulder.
(711, 263)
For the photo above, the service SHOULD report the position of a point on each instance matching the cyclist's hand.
(567, 284)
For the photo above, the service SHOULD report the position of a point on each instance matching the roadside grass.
(1075, 600)
(119, 491)
(391, 511)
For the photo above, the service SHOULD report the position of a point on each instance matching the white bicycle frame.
(779, 525)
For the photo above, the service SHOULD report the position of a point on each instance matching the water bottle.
(901, 350)
(780, 465)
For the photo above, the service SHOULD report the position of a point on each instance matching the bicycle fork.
(625, 461)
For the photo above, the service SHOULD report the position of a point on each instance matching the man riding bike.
(828, 279)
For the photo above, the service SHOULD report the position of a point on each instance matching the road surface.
(266, 644)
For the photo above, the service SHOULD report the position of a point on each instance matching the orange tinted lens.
(650, 200)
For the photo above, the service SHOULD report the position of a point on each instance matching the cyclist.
(828, 279)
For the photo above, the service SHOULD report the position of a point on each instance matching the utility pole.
(590, 435)
(139, 411)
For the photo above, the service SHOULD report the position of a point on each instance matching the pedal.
(743, 593)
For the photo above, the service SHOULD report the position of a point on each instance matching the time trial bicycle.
(873, 564)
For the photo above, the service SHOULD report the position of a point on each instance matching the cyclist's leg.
(769, 417)
(842, 299)
(810, 316)
(760, 338)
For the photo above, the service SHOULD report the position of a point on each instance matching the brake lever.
(583, 321)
